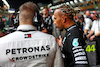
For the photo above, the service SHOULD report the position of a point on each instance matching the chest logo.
(75, 42)
(64, 40)
(27, 36)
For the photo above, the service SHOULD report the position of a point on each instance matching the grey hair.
(30, 6)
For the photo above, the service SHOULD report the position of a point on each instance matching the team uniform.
(72, 48)
(48, 24)
(29, 48)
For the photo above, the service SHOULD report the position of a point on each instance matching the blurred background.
(10, 6)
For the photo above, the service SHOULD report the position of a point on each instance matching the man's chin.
(61, 29)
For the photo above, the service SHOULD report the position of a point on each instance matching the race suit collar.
(68, 29)
(26, 27)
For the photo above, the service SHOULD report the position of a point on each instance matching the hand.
(45, 30)
(59, 41)
(87, 36)
(92, 37)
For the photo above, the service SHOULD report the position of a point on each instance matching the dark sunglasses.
(92, 13)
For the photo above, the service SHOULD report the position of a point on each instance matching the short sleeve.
(88, 24)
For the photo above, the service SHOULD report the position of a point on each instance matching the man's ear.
(63, 19)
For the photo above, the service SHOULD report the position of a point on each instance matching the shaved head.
(94, 12)
(87, 13)
(59, 11)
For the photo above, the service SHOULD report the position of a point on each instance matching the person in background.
(7, 21)
(11, 20)
(38, 20)
(1, 33)
(47, 21)
(88, 15)
(80, 21)
(28, 47)
(72, 44)
(2, 26)
(96, 25)
(95, 33)
(88, 22)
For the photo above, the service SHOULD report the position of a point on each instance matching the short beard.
(61, 29)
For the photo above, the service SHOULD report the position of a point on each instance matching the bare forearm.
(91, 32)
(85, 31)
(97, 34)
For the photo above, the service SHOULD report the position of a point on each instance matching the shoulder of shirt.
(94, 21)
(72, 27)
(7, 37)
(88, 19)
(44, 35)
(15, 35)
(98, 20)
(73, 31)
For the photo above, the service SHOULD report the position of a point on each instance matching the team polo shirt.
(73, 50)
(27, 47)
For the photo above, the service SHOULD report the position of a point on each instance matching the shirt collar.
(71, 27)
(26, 27)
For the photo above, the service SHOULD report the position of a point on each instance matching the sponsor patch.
(64, 40)
(27, 35)
(75, 42)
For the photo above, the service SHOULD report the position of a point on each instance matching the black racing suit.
(73, 42)
(48, 24)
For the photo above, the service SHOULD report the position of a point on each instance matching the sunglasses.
(92, 13)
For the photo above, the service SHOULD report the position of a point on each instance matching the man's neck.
(25, 24)
(69, 23)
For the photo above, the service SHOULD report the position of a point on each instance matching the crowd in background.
(44, 22)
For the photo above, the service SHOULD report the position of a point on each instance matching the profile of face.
(93, 15)
(87, 13)
(57, 20)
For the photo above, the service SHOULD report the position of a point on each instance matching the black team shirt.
(48, 24)
(72, 48)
